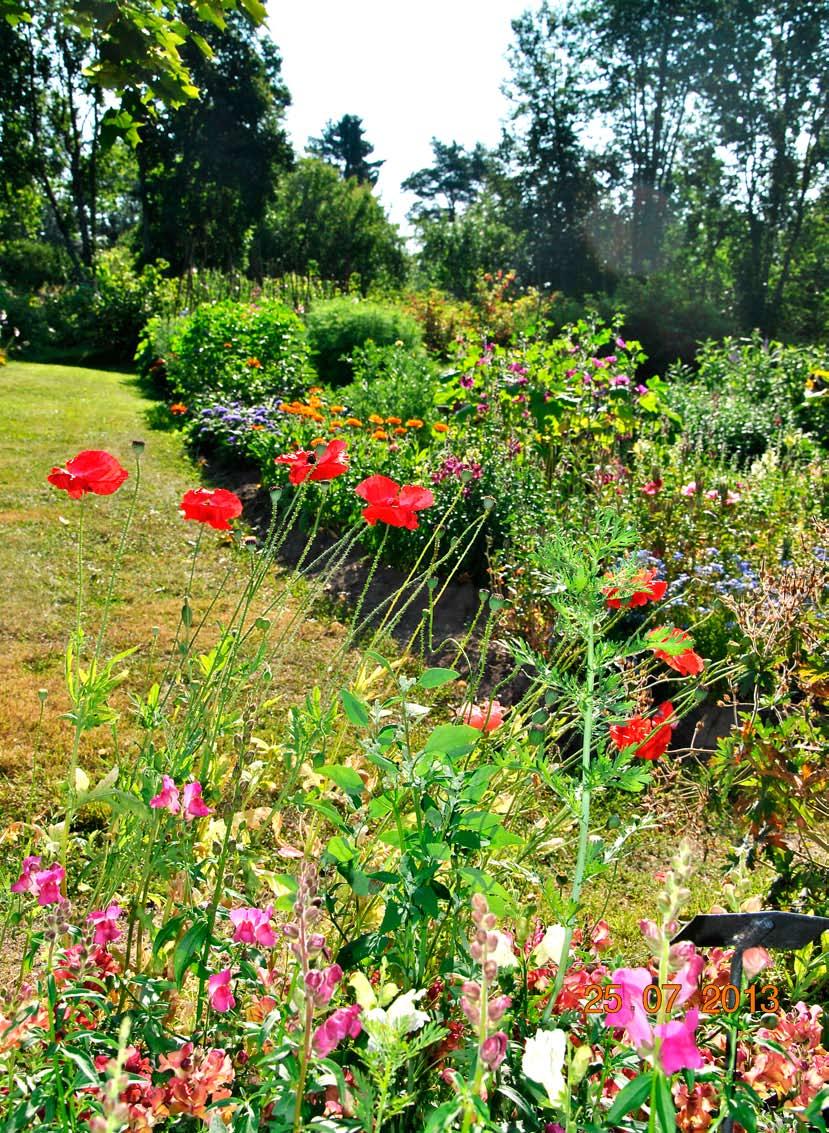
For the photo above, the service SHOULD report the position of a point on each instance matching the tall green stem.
(584, 818)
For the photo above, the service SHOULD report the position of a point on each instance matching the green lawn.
(49, 414)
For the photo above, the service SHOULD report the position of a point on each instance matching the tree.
(643, 61)
(455, 179)
(208, 169)
(454, 253)
(769, 97)
(344, 144)
(554, 178)
(320, 222)
(136, 46)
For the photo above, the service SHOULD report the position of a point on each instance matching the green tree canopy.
(320, 222)
(344, 144)
(208, 168)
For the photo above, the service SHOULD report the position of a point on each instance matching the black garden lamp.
(769, 928)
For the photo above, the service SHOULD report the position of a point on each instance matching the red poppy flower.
(213, 506)
(389, 503)
(675, 648)
(646, 588)
(90, 471)
(327, 465)
(650, 737)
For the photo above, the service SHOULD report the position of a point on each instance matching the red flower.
(650, 737)
(668, 644)
(326, 465)
(389, 503)
(90, 471)
(646, 588)
(214, 506)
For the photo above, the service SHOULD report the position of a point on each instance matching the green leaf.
(630, 1098)
(168, 931)
(188, 946)
(340, 849)
(434, 678)
(346, 778)
(452, 739)
(665, 1112)
(355, 710)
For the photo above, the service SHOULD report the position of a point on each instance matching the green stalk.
(584, 818)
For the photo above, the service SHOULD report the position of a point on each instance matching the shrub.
(390, 379)
(747, 395)
(232, 350)
(338, 326)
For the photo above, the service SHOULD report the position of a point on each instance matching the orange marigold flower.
(318, 417)
(317, 441)
(254, 363)
(400, 431)
(256, 428)
(414, 423)
(228, 345)
(336, 409)
(355, 422)
(336, 424)
(440, 427)
(178, 408)
(315, 389)
(376, 419)
(314, 402)
(380, 435)
(394, 420)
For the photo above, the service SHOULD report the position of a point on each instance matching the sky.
(414, 71)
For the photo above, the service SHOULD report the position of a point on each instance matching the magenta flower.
(26, 882)
(253, 926)
(167, 798)
(194, 804)
(47, 884)
(631, 983)
(689, 489)
(342, 1023)
(679, 1050)
(106, 929)
(321, 983)
(221, 996)
(494, 1050)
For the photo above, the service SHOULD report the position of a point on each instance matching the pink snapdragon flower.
(485, 717)
(194, 804)
(631, 984)
(26, 882)
(221, 996)
(678, 1050)
(106, 930)
(342, 1023)
(45, 883)
(322, 982)
(168, 797)
(494, 1050)
(253, 926)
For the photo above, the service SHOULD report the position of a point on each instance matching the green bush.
(248, 352)
(745, 396)
(337, 327)
(391, 380)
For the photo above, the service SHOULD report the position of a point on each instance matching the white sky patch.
(433, 68)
